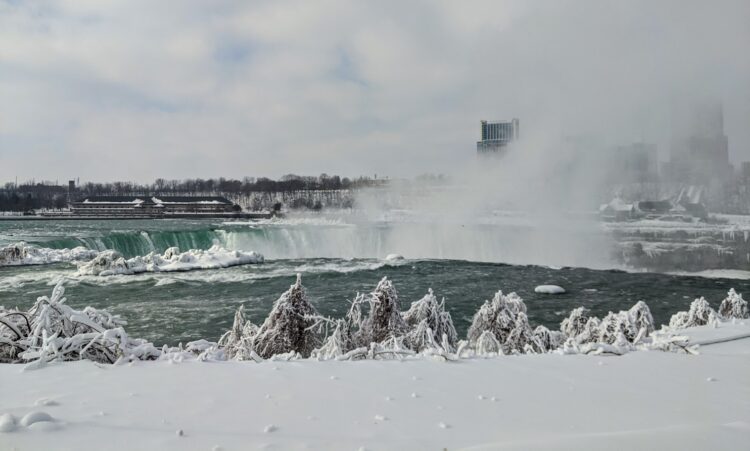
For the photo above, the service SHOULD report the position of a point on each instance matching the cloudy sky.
(135, 90)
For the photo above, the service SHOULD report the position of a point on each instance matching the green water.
(179, 307)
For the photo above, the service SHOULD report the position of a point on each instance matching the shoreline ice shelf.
(683, 246)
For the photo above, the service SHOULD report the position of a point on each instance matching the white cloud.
(140, 89)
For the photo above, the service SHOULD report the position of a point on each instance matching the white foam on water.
(108, 263)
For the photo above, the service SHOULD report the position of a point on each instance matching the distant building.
(497, 135)
(745, 173)
(71, 190)
(699, 149)
(151, 206)
(635, 163)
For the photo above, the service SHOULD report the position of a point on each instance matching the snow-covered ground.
(643, 400)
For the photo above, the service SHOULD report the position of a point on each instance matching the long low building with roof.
(152, 206)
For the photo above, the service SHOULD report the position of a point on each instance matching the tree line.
(34, 195)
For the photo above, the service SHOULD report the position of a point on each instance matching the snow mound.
(7, 422)
(35, 417)
(549, 289)
(21, 254)
(111, 262)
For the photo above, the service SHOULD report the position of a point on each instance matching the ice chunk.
(549, 289)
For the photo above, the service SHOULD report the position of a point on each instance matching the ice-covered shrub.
(289, 326)
(615, 327)
(52, 330)
(237, 342)
(641, 317)
(575, 323)
(487, 344)
(521, 338)
(347, 333)
(624, 327)
(590, 332)
(546, 340)
(700, 314)
(733, 306)
(337, 343)
(429, 324)
(384, 320)
(387, 333)
(497, 316)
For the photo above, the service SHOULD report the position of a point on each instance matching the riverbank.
(648, 400)
(64, 217)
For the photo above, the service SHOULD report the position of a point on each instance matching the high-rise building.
(699, 149)
(635, 163)
(497, 135)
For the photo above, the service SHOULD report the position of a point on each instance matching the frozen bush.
(546, 340)
(733, 306)
(336, 345)
(615, 327)
(429, 314)
(52, 330)
(575, 324)
(487, 344)
(497, 316)
(289, 326)
(623, 327)
(700, 314)
(384, 320)
(237, 342)
(640, 316)
(521, 338)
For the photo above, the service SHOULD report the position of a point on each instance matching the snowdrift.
(111, 262)
(374, 327)
(20, 254)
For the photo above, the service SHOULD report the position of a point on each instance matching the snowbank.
(661, 400)
(20, 254)
(110, 262)
(656, 401)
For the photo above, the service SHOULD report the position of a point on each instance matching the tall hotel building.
(497, 135)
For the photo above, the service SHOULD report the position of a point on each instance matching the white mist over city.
(374, 225)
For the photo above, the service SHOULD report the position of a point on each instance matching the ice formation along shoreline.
(21, 254)
(374, 327)
(107, 263)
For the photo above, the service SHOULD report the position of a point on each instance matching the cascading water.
(474, 242)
